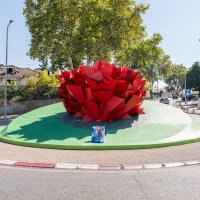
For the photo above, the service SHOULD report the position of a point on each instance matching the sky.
(19, 36)
(177, 22)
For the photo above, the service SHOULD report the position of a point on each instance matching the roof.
(17, 72)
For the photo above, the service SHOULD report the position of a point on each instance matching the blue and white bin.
(98, 134)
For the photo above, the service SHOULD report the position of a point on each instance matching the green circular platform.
(52, 127)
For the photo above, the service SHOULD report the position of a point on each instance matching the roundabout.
(52, 127)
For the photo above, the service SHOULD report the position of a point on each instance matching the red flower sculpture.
(102, 92)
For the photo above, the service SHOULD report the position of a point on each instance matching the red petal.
(113, 103)
(87, 118)
(102, 97)
(97, 76)
(93, 110)
(126, 116)
(78, 114)
(76, 92)
(88, 94)
(134, 101)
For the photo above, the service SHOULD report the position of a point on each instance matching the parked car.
(174, 96)
(189, 97)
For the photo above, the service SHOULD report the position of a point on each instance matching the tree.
(42, 86)
(45, 84)
(142, 53)
(68, 32)
(193, 77)
(157, 70)
(148, 86)
(148, 57)
(31, 88)
(177, 77)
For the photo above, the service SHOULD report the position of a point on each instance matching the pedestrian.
(161, 92)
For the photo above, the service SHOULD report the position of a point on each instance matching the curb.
(123, 167)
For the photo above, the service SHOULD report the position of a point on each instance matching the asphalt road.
(33, 184)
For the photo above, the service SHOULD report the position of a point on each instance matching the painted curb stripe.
(132, 167)
(7, 162)
(84, 166)
(29, 164)
(98, 167)
(66, 166)
(110, 167)
(173, 164)
(152, 166)
(192, 162)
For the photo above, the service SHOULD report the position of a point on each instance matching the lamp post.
(5, 87)
(185, 90)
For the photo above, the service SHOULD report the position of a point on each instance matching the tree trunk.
(88, 60)
(151, 91)
(70, 63)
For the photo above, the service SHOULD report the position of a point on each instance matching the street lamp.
(5, 87)
(185, 89)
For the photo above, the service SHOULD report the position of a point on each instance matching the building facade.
(16, 75)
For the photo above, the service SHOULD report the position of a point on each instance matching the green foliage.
(31, 88)
(148, 86)
(41, 87)
(13, 92)
(193, 77)
(66, 32)
(148, 57)
(145, 53)
(177, 76)
(160, 68)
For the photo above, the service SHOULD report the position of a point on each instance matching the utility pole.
(5, 87)
(185, 89)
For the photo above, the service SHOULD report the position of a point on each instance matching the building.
(16, 75)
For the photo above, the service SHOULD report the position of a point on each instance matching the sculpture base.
(52, 127)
